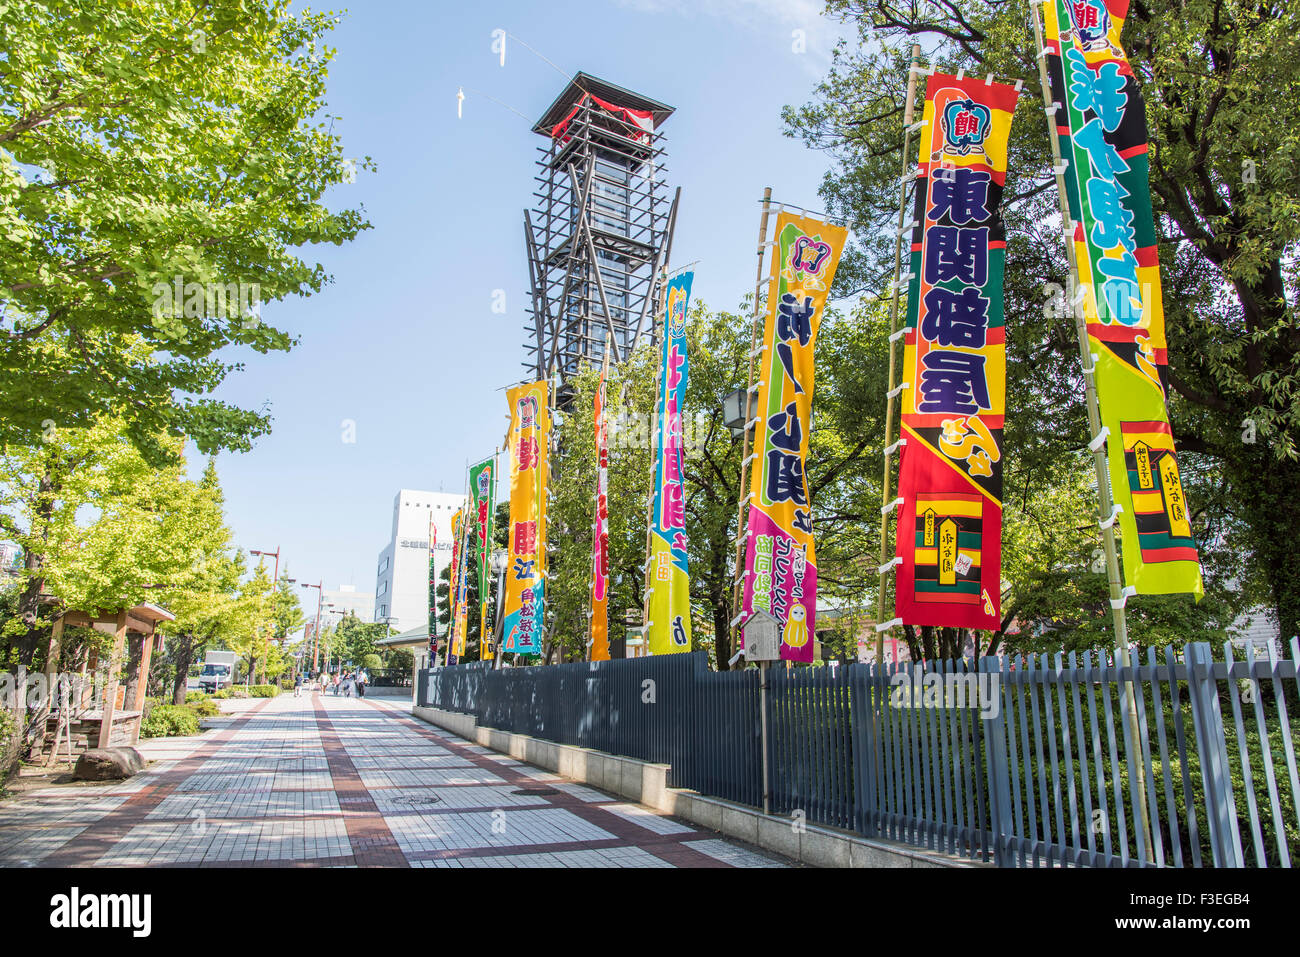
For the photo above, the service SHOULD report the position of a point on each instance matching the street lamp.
(315, 635)
(734, 414)
(275, 554)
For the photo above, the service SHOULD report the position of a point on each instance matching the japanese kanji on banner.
(483, 494)
(600, 531)
(456, 593)
(668, 582)
(1101, 126)
(433, 589)
(530, 430)
(949, 535)
(780, 562)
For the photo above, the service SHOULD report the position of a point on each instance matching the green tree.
(202, 599)
(251, 621)
(141, 143)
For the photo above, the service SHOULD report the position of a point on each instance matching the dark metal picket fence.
(1178, 761)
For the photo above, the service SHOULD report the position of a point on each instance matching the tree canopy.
(162, 165)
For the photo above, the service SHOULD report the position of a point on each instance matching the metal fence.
(1100, 760)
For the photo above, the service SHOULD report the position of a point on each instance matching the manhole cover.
(416, 799)
(536, 792)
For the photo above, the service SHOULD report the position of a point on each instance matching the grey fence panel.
(993, 759)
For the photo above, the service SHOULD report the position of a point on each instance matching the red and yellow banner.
(780, 562)
(1101, 126)
(530, 435)
(949, 537)
(600, 531)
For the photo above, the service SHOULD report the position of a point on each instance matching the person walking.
(362, 678)
(297, 685)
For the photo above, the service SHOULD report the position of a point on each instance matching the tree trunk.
(183, 651)
(1270, 492)
(722, 631)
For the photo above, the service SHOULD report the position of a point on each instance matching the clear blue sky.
(404, 342)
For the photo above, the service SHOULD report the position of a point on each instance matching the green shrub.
(193, 696)
(205, 708)
(169, 720)
(223, 693)
(8, 744)
(263, 691)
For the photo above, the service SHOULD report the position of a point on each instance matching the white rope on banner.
(737, 620)
(1092, 369)
(1115, 509)
(899, 388)
(886, 625)
(1019, 85)
(1100, 439)
(895, 336)
(886, 509)
(884, 569)
(908, 228)
(1051, 110)
(899, 444)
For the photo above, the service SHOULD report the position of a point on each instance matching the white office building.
(402, 575)
(345, 600)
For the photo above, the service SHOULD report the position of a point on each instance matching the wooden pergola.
(134, 629)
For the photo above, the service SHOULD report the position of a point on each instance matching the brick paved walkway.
(319, 780)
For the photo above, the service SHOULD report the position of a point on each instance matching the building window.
(383, 566)
(383, 587)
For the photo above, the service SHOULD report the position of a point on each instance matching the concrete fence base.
(647, 784)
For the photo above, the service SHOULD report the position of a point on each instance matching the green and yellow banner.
(1101, 126)
(668, 580)
(530, 433)
(483, 493)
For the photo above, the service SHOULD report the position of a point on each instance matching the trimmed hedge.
(170, 720)
(263, 691)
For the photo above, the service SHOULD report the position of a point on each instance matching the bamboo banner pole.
(738, 578)
(1104, 501)
(908, 110)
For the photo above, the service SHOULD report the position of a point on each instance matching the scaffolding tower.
(600, 233)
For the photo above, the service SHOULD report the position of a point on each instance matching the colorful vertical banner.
(530, 431)
(1101, 126)
(453, 590)
(483, 494)
(949, 535)
(780, 561)
(433, 590)
(668, 582)
(600, 530)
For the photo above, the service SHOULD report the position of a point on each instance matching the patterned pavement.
(325, 781)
